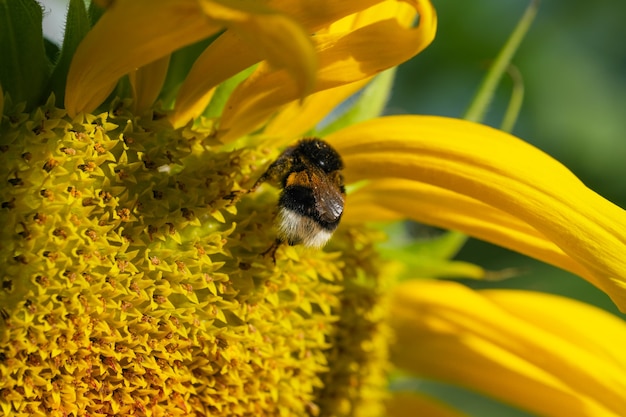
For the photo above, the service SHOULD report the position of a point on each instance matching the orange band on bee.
(298, 178)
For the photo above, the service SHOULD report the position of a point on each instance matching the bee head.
(320, 154)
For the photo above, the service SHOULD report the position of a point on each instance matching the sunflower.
(135, 281)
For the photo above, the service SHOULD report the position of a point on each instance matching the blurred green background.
(573, 63)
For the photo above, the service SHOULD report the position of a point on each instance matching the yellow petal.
(608, 333)
(274, 36)
(527, 353)
(343, 58)
(404, 404)
(199, 85)
(130, 34)
(147, 82)
(316, 14)
(395, 198)
(235, 55)
(298, 117)
(501, 171)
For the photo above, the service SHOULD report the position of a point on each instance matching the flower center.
(135, 280)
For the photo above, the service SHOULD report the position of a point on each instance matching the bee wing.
(329, 198)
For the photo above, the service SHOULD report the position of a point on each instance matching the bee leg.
(237, 194)
(265, 177)
(275, 172)
(234, 196)
(258, 182)
(272, 249)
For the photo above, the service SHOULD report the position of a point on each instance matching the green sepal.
(76, 27)
(369, 103)
(1, 104)
(419, 267)
(432, 257)
(25, 68)
(442, 245)
(445, 246)
(95, 12)
(52, 50)
(122, 90)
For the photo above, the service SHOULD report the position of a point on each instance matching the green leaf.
(25, 67)
(76, 27)
(369, 103)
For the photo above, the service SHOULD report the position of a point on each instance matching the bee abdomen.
(301, 201)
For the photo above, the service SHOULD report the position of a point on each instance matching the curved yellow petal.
(501, 171)
(317, 14)
(234, 54)
(608, 333)
(394, 198)
(298, 117)
(273, 36)
(343, 58)
(531, 362)
(199, 86)
(130, 34)
(403, 404)
(146, 83)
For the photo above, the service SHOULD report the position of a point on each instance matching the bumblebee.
(313, 194)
